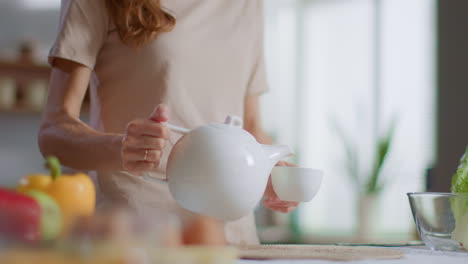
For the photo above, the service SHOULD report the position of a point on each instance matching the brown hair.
(139, 21)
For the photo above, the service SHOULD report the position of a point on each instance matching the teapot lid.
(233, 121)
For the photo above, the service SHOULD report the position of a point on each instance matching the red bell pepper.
(20, 217)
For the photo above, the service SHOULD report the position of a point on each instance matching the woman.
(191, 62)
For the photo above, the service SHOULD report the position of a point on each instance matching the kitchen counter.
(412, 255)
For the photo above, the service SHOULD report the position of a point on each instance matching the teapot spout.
(276, 153)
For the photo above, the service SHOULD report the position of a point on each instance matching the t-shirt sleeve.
(258, 83)
(83, 28)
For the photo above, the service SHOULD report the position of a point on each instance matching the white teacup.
(296, 184)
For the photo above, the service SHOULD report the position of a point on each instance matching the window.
(361, 64)
(42, 4)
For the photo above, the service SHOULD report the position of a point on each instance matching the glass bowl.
(441, 219)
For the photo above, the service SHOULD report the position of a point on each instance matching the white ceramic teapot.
(220, 170)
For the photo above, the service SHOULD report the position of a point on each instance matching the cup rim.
(439, 194)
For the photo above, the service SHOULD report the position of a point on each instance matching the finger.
(281, 209)
(269, 192)
(283, 163)
(143, 142)
(278, 202)
(149, 128)
(280, 163)
(138, 166)
(290, 209)
(160, 113)
(152, 155)
(275, 199)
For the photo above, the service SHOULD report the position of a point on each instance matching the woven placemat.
(323, 252)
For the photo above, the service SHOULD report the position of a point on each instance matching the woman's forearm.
(79, 146)
(63, 134)
(252, 120)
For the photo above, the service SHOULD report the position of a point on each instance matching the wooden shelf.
(18, 110)
(24, 73)
(26, 111)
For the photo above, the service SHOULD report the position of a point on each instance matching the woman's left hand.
(272, 201)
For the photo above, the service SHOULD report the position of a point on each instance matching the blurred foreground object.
(19, 217)
(75, 194)
(117, 235)
(204, 230)
(51, 215)
(119, 225)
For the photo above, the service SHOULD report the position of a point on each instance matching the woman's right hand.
(144, 141)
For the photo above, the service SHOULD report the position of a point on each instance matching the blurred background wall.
(453, 90)
(27, 20)
(341, 73)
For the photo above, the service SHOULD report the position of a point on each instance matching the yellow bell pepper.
(75, 194)
(38, 182)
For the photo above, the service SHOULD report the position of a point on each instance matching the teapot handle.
(230, 120)
(153, 179)
(177, 129)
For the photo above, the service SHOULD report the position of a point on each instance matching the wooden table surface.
(413, 255)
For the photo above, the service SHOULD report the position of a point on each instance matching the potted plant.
(367, 181)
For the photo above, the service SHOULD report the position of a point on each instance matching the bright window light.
(41, 4)
(322, 72)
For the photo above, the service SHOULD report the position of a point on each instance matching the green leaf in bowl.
(460, 203)
(460, 179)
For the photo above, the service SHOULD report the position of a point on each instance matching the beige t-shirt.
(202, 70)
